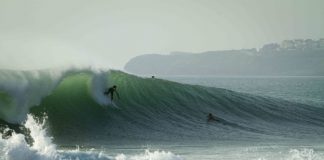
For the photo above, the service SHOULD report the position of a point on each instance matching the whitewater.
(63, 114)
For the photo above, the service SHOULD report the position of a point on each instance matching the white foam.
(292, 154)
(303, 154)
(16, 148)
(42, 143)
(148, 155)
(83, 155)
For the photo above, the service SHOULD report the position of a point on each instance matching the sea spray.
(42, 143)
(24, 89)
(21, 90)
(99, 83)
(16, 148)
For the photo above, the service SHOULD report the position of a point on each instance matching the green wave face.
(5, 102)
(70, 106)
(158, 110)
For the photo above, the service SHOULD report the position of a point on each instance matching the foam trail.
(148, 155)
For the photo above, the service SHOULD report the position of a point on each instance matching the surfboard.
(113, 105)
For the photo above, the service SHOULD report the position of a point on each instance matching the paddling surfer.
(211, 117)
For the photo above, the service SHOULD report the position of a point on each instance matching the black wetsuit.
(210, 118)
(111, 91)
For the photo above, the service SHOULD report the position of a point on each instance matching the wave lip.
(20, 90)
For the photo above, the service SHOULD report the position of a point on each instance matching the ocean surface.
(63, 114)
(302, 89)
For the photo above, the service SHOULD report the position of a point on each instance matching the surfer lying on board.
(210, 118)
(111, 91)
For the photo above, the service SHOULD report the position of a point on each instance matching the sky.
(38, 34)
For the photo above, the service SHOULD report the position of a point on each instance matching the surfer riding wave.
(111, 91)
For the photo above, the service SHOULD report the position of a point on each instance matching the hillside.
(291, 58)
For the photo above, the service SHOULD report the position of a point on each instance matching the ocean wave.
(149, 109)
(16, 148)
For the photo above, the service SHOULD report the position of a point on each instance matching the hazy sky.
(45, 34)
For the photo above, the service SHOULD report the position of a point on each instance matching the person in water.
(111, 91)
(210, 118)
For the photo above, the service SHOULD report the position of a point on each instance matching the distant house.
(321, 43)
(310, 44)
(288, 45)
(272, 47)
(299, 43)
(299, 57)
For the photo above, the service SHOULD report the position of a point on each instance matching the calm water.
(308, 90)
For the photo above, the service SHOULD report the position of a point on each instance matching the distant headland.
(299, 57)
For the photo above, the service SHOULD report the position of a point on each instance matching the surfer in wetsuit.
(111, 91)
(210, 118)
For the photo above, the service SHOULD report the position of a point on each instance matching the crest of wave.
(27, 88)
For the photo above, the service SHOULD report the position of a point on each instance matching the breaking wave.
(149, 109)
